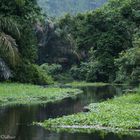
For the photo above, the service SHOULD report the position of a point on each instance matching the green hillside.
(60, 7)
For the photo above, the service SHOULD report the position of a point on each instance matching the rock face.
(58, 8)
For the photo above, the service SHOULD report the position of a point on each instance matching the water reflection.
(17, 120)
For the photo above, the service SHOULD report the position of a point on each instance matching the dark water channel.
(15, 121)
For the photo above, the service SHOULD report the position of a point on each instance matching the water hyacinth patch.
(30, 94)
(120, 114)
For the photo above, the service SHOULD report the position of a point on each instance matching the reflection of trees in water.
(8, 120)
(83, 136)
(14, 120)
(96, 94)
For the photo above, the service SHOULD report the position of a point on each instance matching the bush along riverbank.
(120, 115)
(12, 94)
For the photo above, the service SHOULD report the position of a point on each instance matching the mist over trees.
(57, 8)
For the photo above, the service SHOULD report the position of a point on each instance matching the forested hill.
(98, 46)
(60, 7)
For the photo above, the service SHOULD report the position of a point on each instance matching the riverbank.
(84, 84)
(121, 114)
(14, 93)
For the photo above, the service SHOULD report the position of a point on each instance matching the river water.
(16, 121)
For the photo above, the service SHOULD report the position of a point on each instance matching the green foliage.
(91, 41)
(117, 115)
(8, 45)
(93, 71)
(31, 73)
(64, 77)
(28, 43)
(57, 47)
(79, 73)
(18, 40)
(52, 69)
(57, 72)
(100, 36)
(129, 66)
(25, 94)
(128, 63)
(20, 2)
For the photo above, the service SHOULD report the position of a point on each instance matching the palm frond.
(72, 47)
(8, 48)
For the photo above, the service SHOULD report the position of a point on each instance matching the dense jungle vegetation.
(18, 42)
(96, 46)
(58, 45)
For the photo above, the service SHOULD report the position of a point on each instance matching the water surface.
(17, 120)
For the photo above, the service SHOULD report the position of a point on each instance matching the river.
(16, 121)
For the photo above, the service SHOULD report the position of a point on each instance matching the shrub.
(79, 73)
(31, 73)
(90, 71)
(52, 69)
(129, 66)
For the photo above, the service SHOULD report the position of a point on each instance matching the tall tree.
(8, 45)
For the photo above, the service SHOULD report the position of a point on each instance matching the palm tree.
(8, 46)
